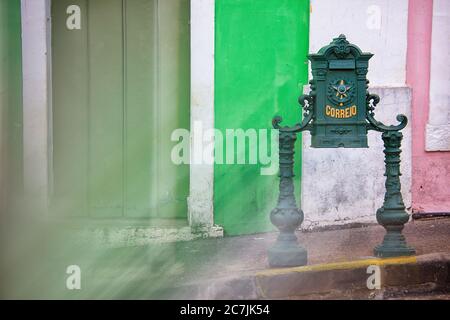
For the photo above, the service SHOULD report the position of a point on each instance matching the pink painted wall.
(430, 170)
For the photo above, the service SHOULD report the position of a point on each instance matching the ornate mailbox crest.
(339, 76)
(338, 112)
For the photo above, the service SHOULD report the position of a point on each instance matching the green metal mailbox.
(338, 112)
(339, 77)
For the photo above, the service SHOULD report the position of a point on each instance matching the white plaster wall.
(36, 80)
(438, 127)
(341, 186)
(200, 202)
(377, 26)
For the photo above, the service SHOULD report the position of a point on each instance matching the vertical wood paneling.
(140, 91)
(106, 99)
(121, 86)
(173, 108)
(70, 111)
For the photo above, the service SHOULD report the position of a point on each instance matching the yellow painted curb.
(340, 265)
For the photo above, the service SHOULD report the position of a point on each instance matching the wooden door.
(120, 87)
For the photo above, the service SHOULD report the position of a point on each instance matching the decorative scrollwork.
(342, 49)
(372, 100)
(306, 101)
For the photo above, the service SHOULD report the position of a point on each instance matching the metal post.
(392, 215)
(286, 216)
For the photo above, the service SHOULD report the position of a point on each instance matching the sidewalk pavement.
(226, 256)
(236, 267)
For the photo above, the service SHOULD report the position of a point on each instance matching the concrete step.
(398, 278)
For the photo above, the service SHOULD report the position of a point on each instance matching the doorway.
(120, 86)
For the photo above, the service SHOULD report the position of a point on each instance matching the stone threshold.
(133, 236)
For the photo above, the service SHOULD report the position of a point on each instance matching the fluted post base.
(392, 215)
(394, 244)
(286, 252)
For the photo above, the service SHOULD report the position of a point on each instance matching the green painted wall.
(120, 87)
(10, 101)
(260, 68)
